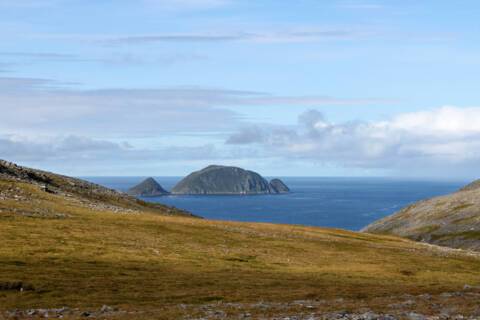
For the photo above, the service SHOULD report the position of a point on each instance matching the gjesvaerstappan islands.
(214, 180)
(75, 250)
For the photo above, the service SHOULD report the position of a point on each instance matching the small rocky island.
(147, 188)
(225, 180)
(278, 186)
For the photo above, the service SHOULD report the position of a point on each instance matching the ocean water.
(346, 203)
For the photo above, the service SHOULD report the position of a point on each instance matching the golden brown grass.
(149, 261)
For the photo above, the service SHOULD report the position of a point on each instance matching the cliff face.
(223, 180)
(452, 220)
(147, 188)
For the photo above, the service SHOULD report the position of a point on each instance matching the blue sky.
(303, 88)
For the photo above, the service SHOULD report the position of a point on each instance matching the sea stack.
(147, 188)
(278, 186)
(217, 179)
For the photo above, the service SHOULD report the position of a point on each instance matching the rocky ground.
(461, 305)
(450, 305)
(64, 312)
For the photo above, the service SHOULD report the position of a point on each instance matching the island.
(278, 186)
(226, 180)
(147, 188)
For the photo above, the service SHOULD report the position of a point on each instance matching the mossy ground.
(150, 262)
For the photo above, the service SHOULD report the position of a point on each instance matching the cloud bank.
(42, 106)
(286, 36)
(426, 142)
(45, 120)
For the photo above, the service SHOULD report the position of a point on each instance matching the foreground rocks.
(461, 305)
(457, 305)
(65, 312)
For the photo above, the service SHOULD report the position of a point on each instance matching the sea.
(345, 203)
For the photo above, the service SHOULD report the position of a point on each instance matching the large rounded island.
(218, 180)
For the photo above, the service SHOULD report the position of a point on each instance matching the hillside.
(216, 179)
(64, 258)
(452, 220)
(74, 190)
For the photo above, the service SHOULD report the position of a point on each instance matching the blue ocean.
(346, 203)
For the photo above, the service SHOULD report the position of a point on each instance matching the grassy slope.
(83, 191)
(148, 261)
(452, 220)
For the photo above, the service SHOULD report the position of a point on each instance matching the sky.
(285, 88)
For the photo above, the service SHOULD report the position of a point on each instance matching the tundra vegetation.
(62, 248)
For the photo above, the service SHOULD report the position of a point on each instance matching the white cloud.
(188, 4)
(84, 155)
(173, 4)
(45, 56)
(170, 5)
(279, 36)
(361, 5)
(117, 59)
(4, 67)
(47, 123)
(21, 148)
(41, 106)
(446, 120)
(28, 3)
(426, 142)
(43, 120)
